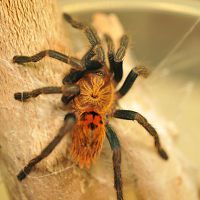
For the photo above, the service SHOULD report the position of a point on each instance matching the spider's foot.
(67, 17)
(21, 96)
(21, 175)
(20, 59)
(163, 154)
(142, 71)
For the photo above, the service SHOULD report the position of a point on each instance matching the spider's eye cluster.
(100, 73)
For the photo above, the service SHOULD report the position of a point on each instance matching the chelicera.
(90, 91)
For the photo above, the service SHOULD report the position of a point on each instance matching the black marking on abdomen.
(92, 126)
(91, 119)
(88, 113)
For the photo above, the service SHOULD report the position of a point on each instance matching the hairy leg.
(67, 89)
(50, 53)
(92, 36)
(115, 146)
(74, 75)
(130, 79)
(132, 115)
(87, 57)
(115, 67)
(122, 49)
(116, 60)
(70, 120)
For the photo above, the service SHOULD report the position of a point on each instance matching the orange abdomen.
(87, 138)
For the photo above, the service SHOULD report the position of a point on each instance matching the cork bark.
(26, 28)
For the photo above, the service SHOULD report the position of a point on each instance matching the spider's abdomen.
(87, 138)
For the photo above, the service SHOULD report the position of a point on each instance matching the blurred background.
(165, 35)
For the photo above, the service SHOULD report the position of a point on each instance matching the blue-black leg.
(115, 146)
(116, 59)
(74, 75)
(132, 115)
(70, 120)
(115, 67)
(130, 79)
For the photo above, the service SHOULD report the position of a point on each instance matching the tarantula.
(89, 89)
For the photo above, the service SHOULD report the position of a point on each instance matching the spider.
(89, 90)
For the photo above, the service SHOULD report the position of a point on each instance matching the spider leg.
(88, 56)
(115, 67)
(132, 115)
(91, 34)
(88, 64)
(116, 60)
(69, 92)
(67, 89)
(130, 79)
(67, 99)
(89, 31)
(74, 76)
(71, 78)
(70, 120)
(50, 53)
(115, 146)
(122, 49)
